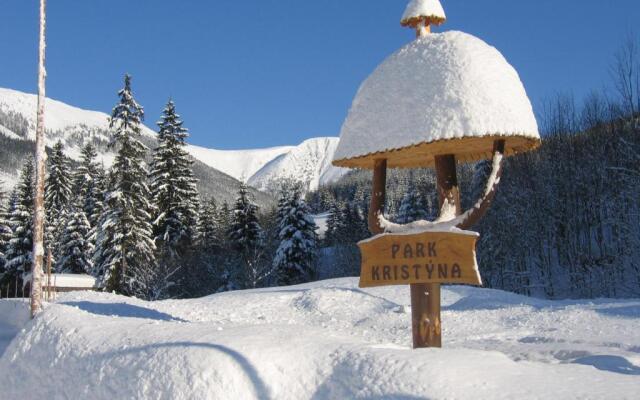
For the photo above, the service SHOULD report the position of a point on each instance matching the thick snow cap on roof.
(440, 87)
(423, 9)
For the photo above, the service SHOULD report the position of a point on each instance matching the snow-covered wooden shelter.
(444, 93)
(69, 283)
(443, 99)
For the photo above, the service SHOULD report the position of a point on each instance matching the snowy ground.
(323, 340)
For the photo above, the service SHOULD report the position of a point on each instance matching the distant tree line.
(144, 231)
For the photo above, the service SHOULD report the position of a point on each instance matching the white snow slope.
(325, 340)
(240, 164)
(311, 160)
(72, 125)
(58, 115)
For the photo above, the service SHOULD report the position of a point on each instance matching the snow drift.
(323, 340)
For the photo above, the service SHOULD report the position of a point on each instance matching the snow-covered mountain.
(76, 127)
(309, 162)
(241, 164)
(264, 169)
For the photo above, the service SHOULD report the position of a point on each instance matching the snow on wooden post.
(378, 194)
(41, 155)
(444, 98)
(425, 298)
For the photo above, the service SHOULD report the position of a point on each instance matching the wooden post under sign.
(425, 297)
(425, 290)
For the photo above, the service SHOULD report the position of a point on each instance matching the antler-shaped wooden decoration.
(449, 217)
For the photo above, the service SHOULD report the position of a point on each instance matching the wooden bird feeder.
(443, 99)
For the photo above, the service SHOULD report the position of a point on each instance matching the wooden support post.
(425, 298)
(425, 315)
(378, 193)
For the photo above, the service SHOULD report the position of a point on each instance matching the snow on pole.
(442, 99)
(421, 14)
(41, 156)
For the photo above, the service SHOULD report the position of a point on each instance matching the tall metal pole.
(41, 155)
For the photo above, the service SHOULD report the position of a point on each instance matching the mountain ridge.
(309, 162)
(75, 128)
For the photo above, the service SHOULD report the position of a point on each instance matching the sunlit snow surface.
(324, 340)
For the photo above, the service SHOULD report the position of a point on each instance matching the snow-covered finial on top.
(421, 14)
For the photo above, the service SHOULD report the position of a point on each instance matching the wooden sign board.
(427, 257)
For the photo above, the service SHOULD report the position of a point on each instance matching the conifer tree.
(481, 172)
(173, 187)
(335, 224)
(412, 208)
(354, 227)
(58, 184)
(5, 232)
(246, 238)
(94, 201)
(76, 250)
(209, 228)
(57, 196)
(87, 184)
(224, 221)
(19, 253)
(124, 255)
(297, 252)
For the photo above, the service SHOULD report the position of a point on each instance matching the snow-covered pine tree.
(295, 257)
(87, 184)
(209, 229)
(284, 197)
(173, 187)
(5, 231)
(57, 196)
(355, 226)
(481, 172)
(19, 253)
(94, 203)
(335, 223)
(246, 238)
(124, 254)
(224, 220)
(412, 208)
(76, 250)
(205, 265)
(58, 184)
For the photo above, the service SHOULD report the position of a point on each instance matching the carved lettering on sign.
(428, 257)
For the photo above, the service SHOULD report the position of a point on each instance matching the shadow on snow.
(121, 310)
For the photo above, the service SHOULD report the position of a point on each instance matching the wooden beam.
(378, 193)
(422, 155)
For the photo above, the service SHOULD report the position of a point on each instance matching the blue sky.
(257, 73)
